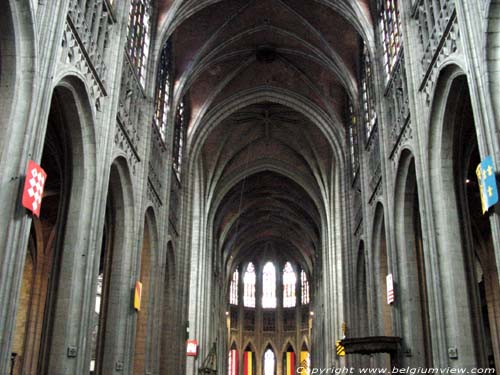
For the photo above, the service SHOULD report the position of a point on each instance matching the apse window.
(233, 290)
(269, 286)
(304, 287)
(289, 283)
(249, 286)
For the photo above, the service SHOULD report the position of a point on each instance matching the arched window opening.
(352, 136)
(269, 286)
(269, 362)
(180, 130)
(390, 30)
(249, 286)
(163, 85)
(304, 284)
(139, 35)
(289, 283)
(367, 94)
(233, 290)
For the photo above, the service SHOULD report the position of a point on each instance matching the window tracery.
(289, 283)
(367, 94)
(233, 293)
(162, 95)
(139, 35)
(249, 280)
(390, 28)
(180, 132)
(352, 136)
(269, 286)
(304, 283)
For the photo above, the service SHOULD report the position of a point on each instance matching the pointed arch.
(381, 269)
(289, 286)
(409, 241)
(362, 292)
(170, 343)
(249, 283)
(269, 299)
(269, 360)
(454, 154)
(234, 287)
(148, 255)
(68, 156)
(115, 268)
(304, 288)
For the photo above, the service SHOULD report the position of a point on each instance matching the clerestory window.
(289, 283)
(162, 95)
(249, 280)
(269, 286)
(390, 28)
(139, 36)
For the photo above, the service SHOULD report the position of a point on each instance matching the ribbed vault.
(221, 48)
(266, 209)
(269, 84)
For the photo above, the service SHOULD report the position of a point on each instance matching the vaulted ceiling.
(266, 164)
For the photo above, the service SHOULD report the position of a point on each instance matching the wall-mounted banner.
(487, 183)
(304, 363)
(339, 348)
(33, 188)
(233, 362)
(137, 295)
(248, 363)
(390, 289)
(192, 348)
(290, 363)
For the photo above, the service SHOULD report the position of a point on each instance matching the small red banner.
(33, 188)
(192, 348)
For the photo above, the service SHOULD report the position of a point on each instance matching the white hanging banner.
(390, 289)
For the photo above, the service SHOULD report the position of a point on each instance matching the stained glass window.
(163, 85)
(180, 132)
(289, 282)
(233, 292)
(249, 286)
(269, 362)
(304, 283)
(352, 134)
(367, 94)
(269, 286)
(139, 35)
(391, 33)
